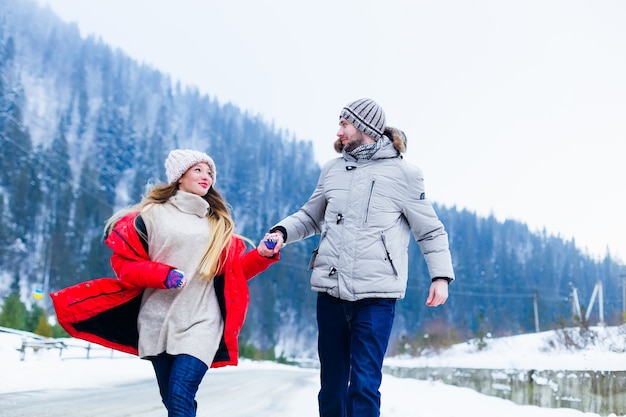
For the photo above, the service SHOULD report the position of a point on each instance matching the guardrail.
(36, 344)
(33, 342)
(602, 392)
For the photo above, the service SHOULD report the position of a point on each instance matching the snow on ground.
(46, 369)
(604, 349)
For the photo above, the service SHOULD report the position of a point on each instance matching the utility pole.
(576, 304)
(601, 303)
(536, 312)
(623, 276)
(597, 292)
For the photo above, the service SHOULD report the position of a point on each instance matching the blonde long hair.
(219, 218)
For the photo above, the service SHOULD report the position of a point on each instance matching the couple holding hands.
(181, 294)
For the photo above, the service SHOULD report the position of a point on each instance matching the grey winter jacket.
(365, 211)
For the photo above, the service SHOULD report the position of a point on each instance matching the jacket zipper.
(82, 300)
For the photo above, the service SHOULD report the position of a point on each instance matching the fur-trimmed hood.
(397, 137)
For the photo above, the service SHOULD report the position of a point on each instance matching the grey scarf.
(368, 150)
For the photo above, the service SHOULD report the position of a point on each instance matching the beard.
(354, 142)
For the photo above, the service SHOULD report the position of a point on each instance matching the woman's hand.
(175, 279)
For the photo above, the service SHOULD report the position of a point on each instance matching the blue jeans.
(352, 341)
(179, 378)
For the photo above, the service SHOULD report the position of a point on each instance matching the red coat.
(105, 310)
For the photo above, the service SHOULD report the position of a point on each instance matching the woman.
(176, 249)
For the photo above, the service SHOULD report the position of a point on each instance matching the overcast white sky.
(515, 108)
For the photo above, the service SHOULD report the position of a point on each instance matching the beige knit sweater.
(187, 320)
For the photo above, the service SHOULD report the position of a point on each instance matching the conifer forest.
(84, 129)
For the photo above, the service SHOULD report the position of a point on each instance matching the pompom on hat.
(367, 116)
(180, 160)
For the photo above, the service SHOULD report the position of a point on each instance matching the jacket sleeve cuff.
(281, 230)
(448, 280)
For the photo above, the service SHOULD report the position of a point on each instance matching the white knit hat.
(180, 160)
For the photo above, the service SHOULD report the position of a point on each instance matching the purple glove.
(175, 279)
(270, 241)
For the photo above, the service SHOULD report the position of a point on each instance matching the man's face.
(351, 138)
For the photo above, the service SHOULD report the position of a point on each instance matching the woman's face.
(197, 180)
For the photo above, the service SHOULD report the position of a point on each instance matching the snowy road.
(257, 392)
(120, 385)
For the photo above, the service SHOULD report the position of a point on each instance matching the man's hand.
(271, 244)
(438, 293)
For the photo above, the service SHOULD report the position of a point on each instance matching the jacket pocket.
(388, 254)
(369, 200)
(315, 252)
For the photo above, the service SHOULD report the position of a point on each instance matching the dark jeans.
(179, 378)
(352, 341)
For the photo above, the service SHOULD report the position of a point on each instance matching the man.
(365, 206)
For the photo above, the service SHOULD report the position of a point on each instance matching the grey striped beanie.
(367, 116)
